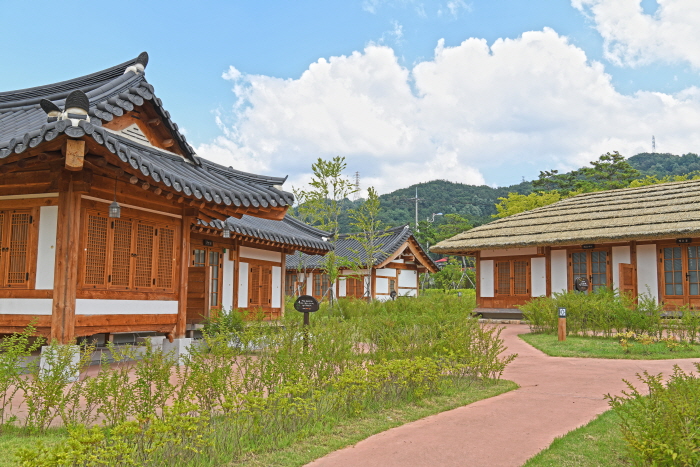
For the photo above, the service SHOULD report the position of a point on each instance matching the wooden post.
(236, 271)
(181, 323)
(74, 150)
(373, 275)
(633, 261)
(562, 324)
(283, 286)
(477, 277)
(548, 270)
(66, 266)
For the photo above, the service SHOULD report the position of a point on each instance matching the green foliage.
(264, 386)
(515, 203)
(655, 180)
(450, 276)
(662, 165)
(663, 428)
(228, 323)
(14, 350)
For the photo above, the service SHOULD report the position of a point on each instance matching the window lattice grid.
(599, 269)
(166, 258)
(503, 269)
(693, 270)
(266, 283)
(254, 298)
(673, 271)
(121, 252)
(214, 279)
(579, 264)
(96, 250)
(520, 278)
(143, 274)
(19, 245)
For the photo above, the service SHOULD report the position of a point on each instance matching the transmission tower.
(653, 144)
(356, 195)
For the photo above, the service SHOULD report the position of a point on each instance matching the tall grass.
(262, 386)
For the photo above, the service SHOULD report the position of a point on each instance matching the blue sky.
(278, 109)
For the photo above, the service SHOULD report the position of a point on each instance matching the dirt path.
(556, 395)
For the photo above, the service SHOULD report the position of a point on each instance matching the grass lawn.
(602, 347)
(598, 443)
(348, 432)
(11, 440)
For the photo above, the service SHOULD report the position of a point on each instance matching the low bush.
(263, 385)
(663, 428)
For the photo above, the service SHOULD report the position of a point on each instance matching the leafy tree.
(322, 206)
(609, 172)
(450, 276)
(454, 225)
(654, 180)
(370, 232)
(516, 203)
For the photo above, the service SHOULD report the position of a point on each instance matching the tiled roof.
(111, 92)
(650, 212)
(289, 232)
(348, 247)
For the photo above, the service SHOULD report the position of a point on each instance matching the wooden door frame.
(608, 265)
(684, 271)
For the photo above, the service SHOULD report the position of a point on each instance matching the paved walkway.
(555, 396)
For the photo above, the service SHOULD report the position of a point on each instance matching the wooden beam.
(154, 121)
(74, 150)
(283, 287)
(181, 324)
(66, 265)
(168, 142)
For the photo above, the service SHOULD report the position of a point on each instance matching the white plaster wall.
(407, 279)
(560, 280)
(386, 272)
(508, 252)
(309, 283)
(26, 306)
(262, 255)
(409, 293)
(647, 280)
(382, 285)
(620, 254)
(227, 292)
(538, 277)
(46, 251)
(243, 285)
(397, 260)
(276, 287)
(486, 288)
(342, 287)
(85, 306)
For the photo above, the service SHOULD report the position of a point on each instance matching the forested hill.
(477, 203)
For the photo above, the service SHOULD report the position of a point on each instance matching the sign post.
(306, 304)
(562, 324)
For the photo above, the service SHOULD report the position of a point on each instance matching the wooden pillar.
(477, 277)
(633, 261)
(66, 267)
(548, 270)
(283, 287)
(188, 216)
(373, 275)
(236, 271)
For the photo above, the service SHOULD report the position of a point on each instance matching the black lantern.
(115, 210)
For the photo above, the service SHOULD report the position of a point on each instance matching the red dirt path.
(555, 396)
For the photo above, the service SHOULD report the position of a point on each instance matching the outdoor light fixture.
(115, 211)
(227, 231)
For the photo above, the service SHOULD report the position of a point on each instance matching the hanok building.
(396, 267)
(102, 211)
(638, 240)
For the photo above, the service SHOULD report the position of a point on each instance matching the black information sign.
(208, 242)
(306, 304)
(562, 312)
(588, 246)
(393, 294)
(683, 240)
(581, 284)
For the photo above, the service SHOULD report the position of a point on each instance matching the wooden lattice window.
(503, 277)
(127, 253)
(593, 265)
(520, 279)
(17, 248)
(260, 286)
(513, 277)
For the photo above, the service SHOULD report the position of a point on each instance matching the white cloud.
(530, 103)
(634, 38)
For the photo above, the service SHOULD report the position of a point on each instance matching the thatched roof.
(658, 211)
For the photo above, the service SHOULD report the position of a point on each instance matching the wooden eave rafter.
(412, 246)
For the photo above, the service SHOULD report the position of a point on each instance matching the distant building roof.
(111, 93)
(657, 211)
(389, 246)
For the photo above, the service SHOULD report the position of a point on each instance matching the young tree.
(516, 203)
(371, 230)
(322, 206)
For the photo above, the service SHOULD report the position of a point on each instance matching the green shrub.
(663, 428)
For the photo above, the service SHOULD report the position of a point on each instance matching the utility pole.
(416, 199)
